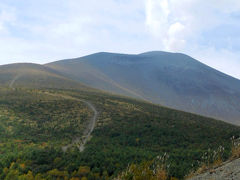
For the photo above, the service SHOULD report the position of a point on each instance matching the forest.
(35, 125)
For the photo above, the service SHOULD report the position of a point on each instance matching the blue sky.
(48, 30)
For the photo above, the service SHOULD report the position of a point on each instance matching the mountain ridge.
(35, 76)
(45, 113)
(175, 80)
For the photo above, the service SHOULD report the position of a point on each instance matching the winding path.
(80, 142)
(14, 80)
(90, 127)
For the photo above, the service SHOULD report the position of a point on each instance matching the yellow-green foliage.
(146, 170)
(27, 116)
(235, 147)
(34, 125)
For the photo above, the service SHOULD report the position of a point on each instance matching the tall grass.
(156, 169)
(214, 158)
(235, 147)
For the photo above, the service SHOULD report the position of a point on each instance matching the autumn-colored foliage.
(35, 125)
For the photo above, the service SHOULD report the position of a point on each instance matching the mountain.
(35, 76)
(171, 79)
(54, 127)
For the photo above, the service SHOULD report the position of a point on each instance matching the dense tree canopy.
(35, 125)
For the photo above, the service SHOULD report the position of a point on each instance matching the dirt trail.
(14, 80)
(228, 171)
(81, 141)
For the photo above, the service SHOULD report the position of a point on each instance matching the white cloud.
(55, 29)
(164, 25)
(184, 26)
(190, 17)
(43, 31)
(157, 12)
(7, 16)
(176, 39)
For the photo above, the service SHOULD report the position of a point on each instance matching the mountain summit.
(170, 79)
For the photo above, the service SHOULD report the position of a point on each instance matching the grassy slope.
(35, 76)
(33, 116)
(35, 125)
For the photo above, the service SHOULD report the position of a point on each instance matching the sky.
(48, 30)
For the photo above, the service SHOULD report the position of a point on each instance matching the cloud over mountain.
(41, 31)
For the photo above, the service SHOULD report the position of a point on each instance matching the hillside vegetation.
(35, 76)
(170, 79)
(35, 125)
